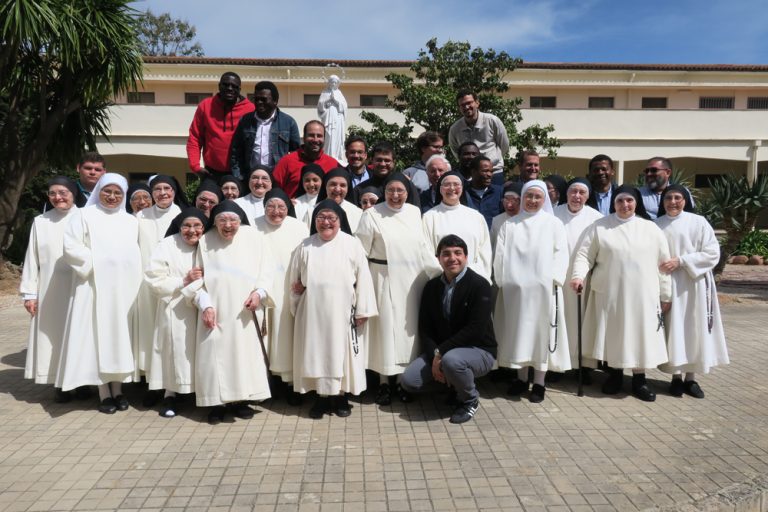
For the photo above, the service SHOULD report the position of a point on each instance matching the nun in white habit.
(451, 217)
(229, 364)
(530, 268)
(695, 337)
(172, 275)
(46, 282)
(309, 189)
(283, 233)
(623, 322)
(259, 181)
(332, 296)
(576, 216)
(337, 185)
(100, 246)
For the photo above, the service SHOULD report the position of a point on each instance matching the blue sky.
(650, 31)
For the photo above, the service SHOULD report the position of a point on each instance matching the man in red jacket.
(287, 173)
(213, 126)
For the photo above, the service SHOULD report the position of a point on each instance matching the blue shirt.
(604, 201)
(487, 202)
(448, 292)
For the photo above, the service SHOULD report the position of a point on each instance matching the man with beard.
(383, 164)
(214, 125)
(265, 136)
(356, 151)
(287, 173)
(657, 171)
(600, 176)
(467, 152)
(482, 195)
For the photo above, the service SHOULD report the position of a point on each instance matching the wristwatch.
(437, 352)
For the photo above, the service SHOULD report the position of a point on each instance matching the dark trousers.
(460, 366)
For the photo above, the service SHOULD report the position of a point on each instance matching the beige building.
(710, 119)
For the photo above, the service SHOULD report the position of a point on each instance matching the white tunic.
(282, 240)
(229, 363)
(496, 224)
(468, 224)
(153, 224)
(395, 237)
(621, 321)
(303, 206)
(48, 279)
(695, 337)
(252, 206)
(575, 225)
(173, 348)
(100, 246)
(328, 355)
(529, 268)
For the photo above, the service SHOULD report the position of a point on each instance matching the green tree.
(428, 98)
(61, 62)
(159, 34)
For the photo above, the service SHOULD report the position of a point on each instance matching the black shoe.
(240, 410)
(341, 407)
(640, 388)
(168, 407)
(537, 394)
(152, 397)
(122, 403)
(403, 395)
(322, 406)
(61, 397)
(83, 393)
(517, 387)
(216, 415)
(692, 388)
(293, 398)
(108, 406)
(384, 396)
(676, 387)
(554, 376)
(465, 412)
(613, 383)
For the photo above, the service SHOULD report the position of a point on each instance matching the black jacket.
(592, 200)
(470, 324)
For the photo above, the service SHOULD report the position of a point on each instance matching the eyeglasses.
(202, 200)
(450, 185)
(61, 193)
(436, 147)
(193, 227)
(396, 192)
(327, 218)
(654, 170)
(276, 208)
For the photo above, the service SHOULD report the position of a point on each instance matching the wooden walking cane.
(578, 317)
(261, 333)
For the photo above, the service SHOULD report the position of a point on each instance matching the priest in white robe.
(530, 268)
(283, 233)
(100, 244)
(450, 217)
(576, 216)
(153, 223)
(332, 296)
(694, 328)
(173, 275)
(229, 364)
(259, 182)
(309, 188)
(46, 283)
(400, 264)
(337, 185)
(623, 322)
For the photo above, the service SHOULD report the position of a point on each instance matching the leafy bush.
(755, 243)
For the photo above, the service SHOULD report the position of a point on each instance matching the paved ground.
(569, 453)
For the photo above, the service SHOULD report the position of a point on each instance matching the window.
(757, 103)
(373, 100)
(654, 102)
(543, 101)
(715, 102)
(141, 97)
(193, 98)
(601, 102)
(310, 100)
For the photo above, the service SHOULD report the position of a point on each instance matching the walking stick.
(261, 333)
(578, 317)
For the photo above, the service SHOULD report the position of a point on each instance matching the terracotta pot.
(739, 260)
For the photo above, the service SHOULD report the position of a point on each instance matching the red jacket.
(211, 130)
(287, 173)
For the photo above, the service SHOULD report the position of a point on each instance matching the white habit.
(48, 279)
(303, 207)
(328, 357)
(282, 240)
(252, 206)
(173, 349)
(695, 337)
(466, 223)
(229, 364)
(353, 215)
(496, 224)
(100, 246)
(621, 321)
(396, 240)
(529, 268)
(575, 225)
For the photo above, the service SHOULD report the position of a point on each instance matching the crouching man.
(456, 330)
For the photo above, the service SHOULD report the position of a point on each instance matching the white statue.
(332, 109)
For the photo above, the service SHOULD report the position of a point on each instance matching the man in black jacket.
(456, 330)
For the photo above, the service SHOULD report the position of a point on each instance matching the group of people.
(291, 268)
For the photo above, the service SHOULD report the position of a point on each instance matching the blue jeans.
(460, 366)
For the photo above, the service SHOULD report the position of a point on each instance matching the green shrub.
(755, 243)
